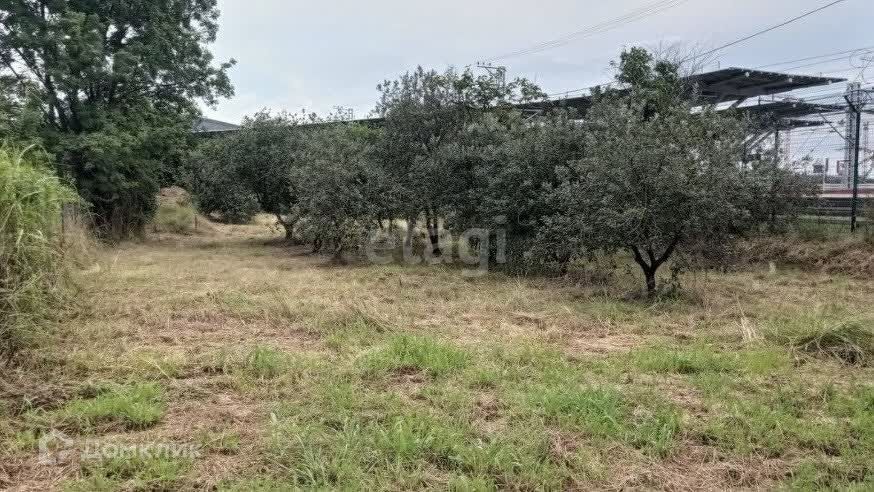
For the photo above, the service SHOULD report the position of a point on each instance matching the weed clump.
(408, 353)
(121, 407)
(850, 342)
(177, 219)
(33, 267)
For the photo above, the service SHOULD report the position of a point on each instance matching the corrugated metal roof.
(726, 85)
(207, 125)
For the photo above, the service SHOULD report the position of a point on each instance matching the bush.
(33, 266)
(213, 180)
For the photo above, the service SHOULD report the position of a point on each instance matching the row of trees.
(648, 171)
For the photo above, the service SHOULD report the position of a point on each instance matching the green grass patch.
(405, 451)
(34, 276)
(606, 413)
(774, 421)
(258, 363)
(137, 472)
(700, 360)
(125, 407)
(221, 442)
(412, 353)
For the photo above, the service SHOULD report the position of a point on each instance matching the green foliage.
(237, 175)
(605, 413)
(33, 263)
(657, 177)
(427, 133)
(265, 362)
(213, 180)
(667, 361)
(776, 195)
(647, 173)
(116, 84)
(339, 186)
(515, 164)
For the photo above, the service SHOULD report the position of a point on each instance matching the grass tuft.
(412, 353)
(138, 471)
(123, 407)
(850, 342)
(33, 261)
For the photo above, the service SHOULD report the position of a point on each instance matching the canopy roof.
(734, 84)
(726, 85)
(207, 125)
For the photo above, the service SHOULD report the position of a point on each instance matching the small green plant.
(224, 442)
(597, 411)
(606, 413)
(667, 360)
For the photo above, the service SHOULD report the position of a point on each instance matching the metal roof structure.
(789, 109)
(739, 84)
(207, 125)
(721, 86)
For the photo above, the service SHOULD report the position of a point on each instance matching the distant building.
(207, 126)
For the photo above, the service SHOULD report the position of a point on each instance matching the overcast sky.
(314, 55)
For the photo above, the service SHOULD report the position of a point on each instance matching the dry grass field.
(284, 372)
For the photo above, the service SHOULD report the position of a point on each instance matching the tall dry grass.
(34, 272)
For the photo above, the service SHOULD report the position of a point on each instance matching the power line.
(767, 30)
(736, 42)
(827, 55)
(633, 16)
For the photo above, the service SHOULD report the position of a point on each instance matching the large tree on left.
(116, 83)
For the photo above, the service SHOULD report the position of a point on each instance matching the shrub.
(33, 267)
(213, 181)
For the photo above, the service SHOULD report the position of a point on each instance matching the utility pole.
(851, 130)
(856, 99)
(498, 73)
(777, 144)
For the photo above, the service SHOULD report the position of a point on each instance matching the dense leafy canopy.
(649, 172)
(115, 83)
(659, 174)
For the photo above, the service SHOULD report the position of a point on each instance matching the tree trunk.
(433, 233)
(649, 269)
(651, 285)
(411, 227)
